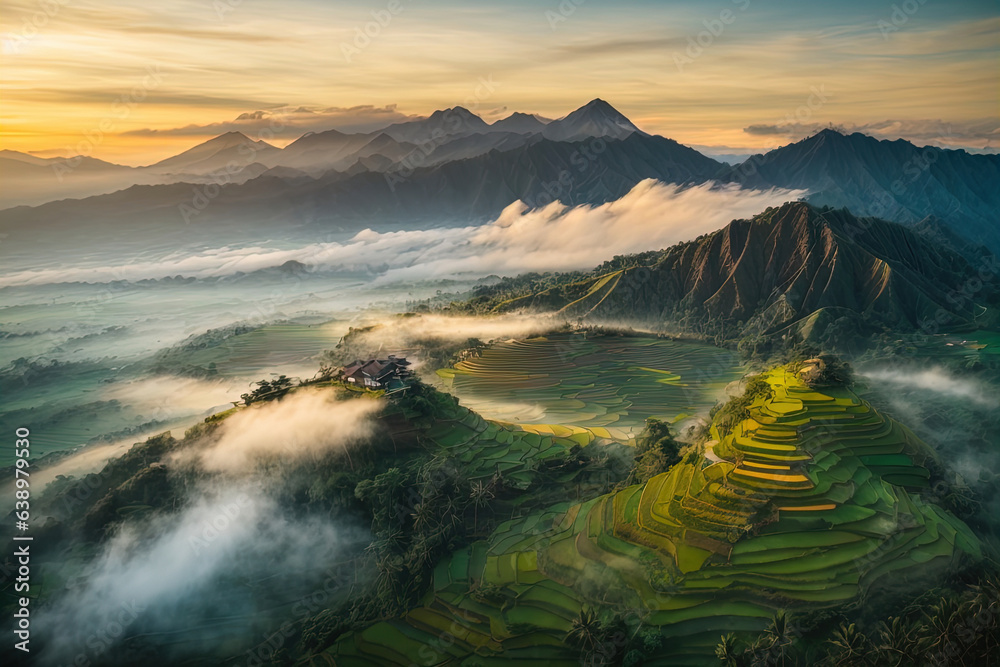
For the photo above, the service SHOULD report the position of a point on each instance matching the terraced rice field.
(606, 382)
(807, 503)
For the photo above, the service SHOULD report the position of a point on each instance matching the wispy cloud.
(292, 121)
(938, 380)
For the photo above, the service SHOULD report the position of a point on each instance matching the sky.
(135, 82)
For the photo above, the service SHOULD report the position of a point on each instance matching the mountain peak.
(599, 107)
(460, 111)
(836, 134)
(786, 270)
(454, 121)
(522, 123)
(200, 157)
(231, 138)
(598, 103)
(596, 118)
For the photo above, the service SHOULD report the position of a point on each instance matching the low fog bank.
(556, 237)
(209, 573)
(305, 426)
(938, 381)
(216, 545)
(431, 342)
(66, 341)
(957, 414)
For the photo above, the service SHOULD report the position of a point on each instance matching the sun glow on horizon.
(133, 84)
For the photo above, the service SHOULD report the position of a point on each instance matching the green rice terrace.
(810, 501)
(610, 384)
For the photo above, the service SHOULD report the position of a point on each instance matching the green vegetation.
(766, 285)
(955, 626)
(799, 511)
(268, 390)
(811, 501)
(656, 450)
(432, 479)
(726, 415)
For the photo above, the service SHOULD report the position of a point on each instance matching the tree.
(850, 646)
(727, 415)
(656, 450)
(898, 644)
(727, 650)
(267, 391)
(776, 640)
(836, 371)
(585, 632)
(480, 495)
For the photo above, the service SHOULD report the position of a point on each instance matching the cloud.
(304, 425)
(940, 381)
(164, 96)
(86, 461)
(180, 573)
(556, 237)
(485, 328)
(407, 336)
(171, 571)
(292, 121)
(983, 133)
(167, 398)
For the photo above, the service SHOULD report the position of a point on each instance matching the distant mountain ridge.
(446, 135)
(894, 180)
(792, 269)
(475, 189)
(454, 166)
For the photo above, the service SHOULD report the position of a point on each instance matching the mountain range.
(894, 180)
(453, 167)
(795, 269)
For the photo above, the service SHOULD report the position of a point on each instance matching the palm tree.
(585, 632)
(726, 651)
(851, 647)
(777, 637)
(897, 644)
(450, 510)
(986, 605)
(480, 497)
(423, 550)
(941, 621)
(423, 515)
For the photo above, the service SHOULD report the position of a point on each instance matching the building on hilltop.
(389, 374)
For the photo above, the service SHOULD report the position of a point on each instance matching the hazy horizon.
(128, 83)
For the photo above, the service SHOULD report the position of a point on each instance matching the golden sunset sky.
(134, 82)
